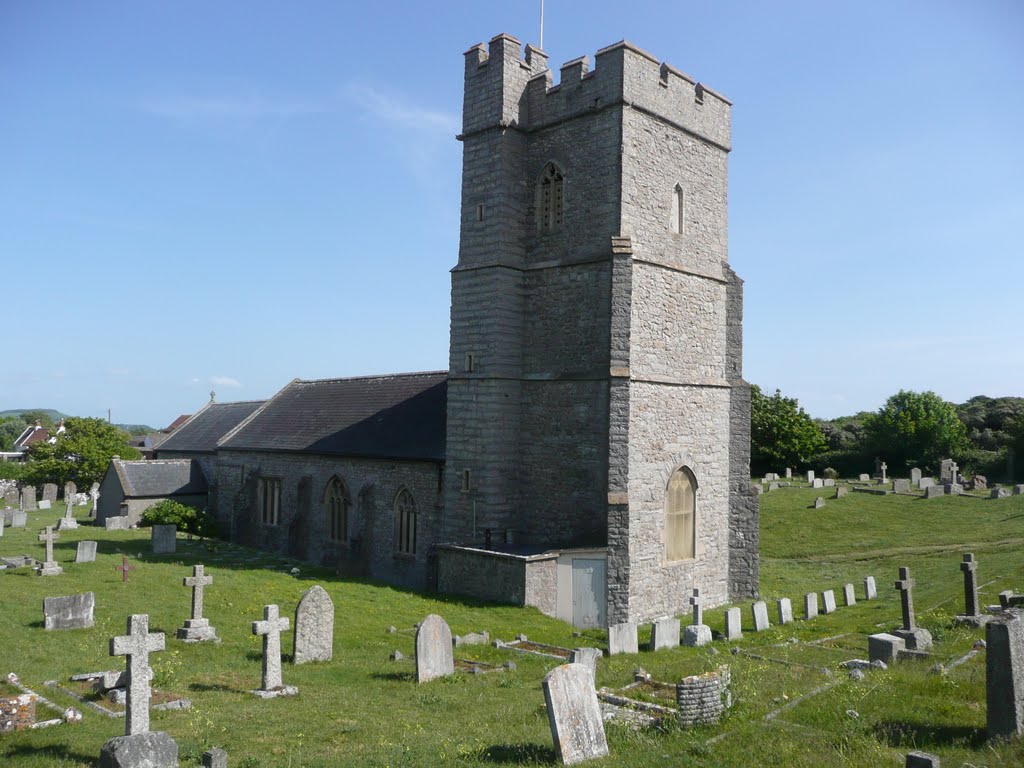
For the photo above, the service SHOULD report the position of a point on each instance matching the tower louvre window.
(681, 516)
(550, 199)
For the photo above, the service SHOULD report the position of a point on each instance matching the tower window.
(467, 480)
(470, 362)
(677, 220)
(480, 212)
(550, 198)
(681, 516)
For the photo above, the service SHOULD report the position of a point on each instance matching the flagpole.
(542, 25)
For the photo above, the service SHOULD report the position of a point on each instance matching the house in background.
(129, 488)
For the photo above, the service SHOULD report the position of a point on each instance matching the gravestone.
(270, 628)
(864, 477)
(882, 468)
(733, 624)
(622, 638)
(50, 492)
(915, 475)
(828, 602)
(978, 483)
(773, 486)
(86, 552)
(588, 657)
(828, 482)
(11, 495)
(925, 483)
(885, 647)
(164, 539)
(972, 615)
(116, 523)
(789, 473)
(759, 610)
(999, 493)
(577, 728)
(19, 519)
(817, 483)
(314, 626)
(901, 485)
(94, 492)
(215, 758)
(45, 504)
(664, 633)
(28, 498)
(810, 476)
(917, 639)
(70, 489)
(870, 590)
(124, 568)
(1004, 674)
(917, 759)
(197, 629)
(1018, 490)
(785, 607)
(819, 502)
(139, 746)
(811, 605)
(71, 612)
(849, 598)
(49, 566)
(934, 491)
(433, 649)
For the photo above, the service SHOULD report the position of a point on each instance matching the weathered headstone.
(71, 612)
(49, 566)
(664, 633)
(139, 746)
(917, 759)
(68, 521)
(934, 491)
(849, 596)
(901, 485)
(622, 638)
(50, 492)
(28, 498)
(588, 657)
(817, 483)
(773, 486)
(828, 602)
(1004, 674)
(759, 611)
(828, 482)
(785, 606)
(165, 539)
(917, 639)
(925, 482)
(999, 493)
(11, 495)
(733, 624)
(116, 523)
(870, 590)
(979, 483)
(810, 476)
(314, 626)
(19, 519)
(972, 615)
(45, 504)
(789, 473)
(86, 552)
(819, 502)
(863, 477)
(433, 649)
(270, 628)
(215, 758)
(811, 605)
(915, 475)
(1018, 490)
(577, 728)
(197, 629)
(70, 489)
(885, 647)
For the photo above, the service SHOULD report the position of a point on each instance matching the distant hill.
(55, 415)
(137, 429)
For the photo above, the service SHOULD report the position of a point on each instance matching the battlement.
(507, 89)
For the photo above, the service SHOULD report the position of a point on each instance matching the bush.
(198, 522)
(844, 463)
(11, 470)
(829, 473)
(991, 464)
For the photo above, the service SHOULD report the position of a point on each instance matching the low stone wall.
(500, 577)
(701, 699)
(17, 712)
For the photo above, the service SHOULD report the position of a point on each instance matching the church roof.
(398, 416)
(202, 431)
(162, 477)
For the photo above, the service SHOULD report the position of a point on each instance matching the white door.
(589, 579)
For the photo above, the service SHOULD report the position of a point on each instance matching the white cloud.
(399, 111)
(225, 381)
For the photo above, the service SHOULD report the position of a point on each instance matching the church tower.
(595, 393)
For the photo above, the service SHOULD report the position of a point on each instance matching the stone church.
(587, 450)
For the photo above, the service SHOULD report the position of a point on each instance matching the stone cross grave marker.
(759, 610)
(433, 649)
(696, 607)
(124, 568)
(68, 521)
(197, 629)
(697, 633)
(972, 614)
(574, 714)
(95, 494)
(137, 645)
(314, 626)
(86, 552)
(884, 468)
(270, 628)
(49, 567)
(1004, 674)
(917, 639)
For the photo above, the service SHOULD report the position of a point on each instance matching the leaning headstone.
(664, 633)
(19, 519)
(314, 626)
(819, 502)
(849, 597)
(577, 728)
(885, 647)
(870, 590)
(915, 475)
(215, 758)
(270, 628)
(28, 498)
(918, 759)
(165, 540)
(45, 504)
(139, 746)
(622, 638)
(972, 615)
(433, 649)
(785, 606)
(901, 485)
(49, 566)
(811, 605)
(759, 610)
(1004, 674)
(917, 639)
(934, 491)
(828, 600)
(50, 492)
(197, 629)
(733, 624)
(86, 552)
(588, 657)
(71, 612)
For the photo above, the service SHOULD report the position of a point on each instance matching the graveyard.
(793, 702)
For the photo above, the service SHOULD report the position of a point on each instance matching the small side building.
(129, 488)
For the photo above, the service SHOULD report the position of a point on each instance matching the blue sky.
(228, 195)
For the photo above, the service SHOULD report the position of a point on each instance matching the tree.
(916, 429)
(81, 453)
(782, 434)
(11, 428)
(37, 414)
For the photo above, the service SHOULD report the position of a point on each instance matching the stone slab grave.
(1004, 674)
(314, 626)
(197, 629)
(934, 491)
(925, 483)
(1009, 600)
(215, 758)
(86, 552)
(972, 615)
(870, 589)
(733, 624)
(785, 610)
(49, 566)
(472, 638)
(696, 633)
(577, 728)
(21, 711)
(622, 638)
(1018, 490)
(810, 476)
(811, 605)
(849, 596)
(694, 700)
(828, 602)
(67, 522)
(828, 482)
(433, 649)
(664, 633)
(112, 686)
(116, 523)
(164, 539)
(523, 644)
(270, 629)
(885, 647)
(917, 638)
(978, 483)
(773, 486)
(759, 612)
(70, 612)
(901, 485)
(588, 657)
(45, 504)
(817, 483)
(139, 746)
(864, 477)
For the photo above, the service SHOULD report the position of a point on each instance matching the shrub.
(198, 522)
(829, 473)
(11, 470)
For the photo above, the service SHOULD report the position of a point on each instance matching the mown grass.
(362, 709)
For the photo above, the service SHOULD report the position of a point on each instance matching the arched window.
(550, 198)
(677, 221)
(680, 516)
(337, 503)
(405, 523)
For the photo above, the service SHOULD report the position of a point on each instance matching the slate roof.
(399, 416)
(177, 422)
(202, 431)
(160, 477)
(31, 435)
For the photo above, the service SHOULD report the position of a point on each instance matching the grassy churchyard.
(362, 709)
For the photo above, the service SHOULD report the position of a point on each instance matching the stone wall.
(499, 577)
(701, 699)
